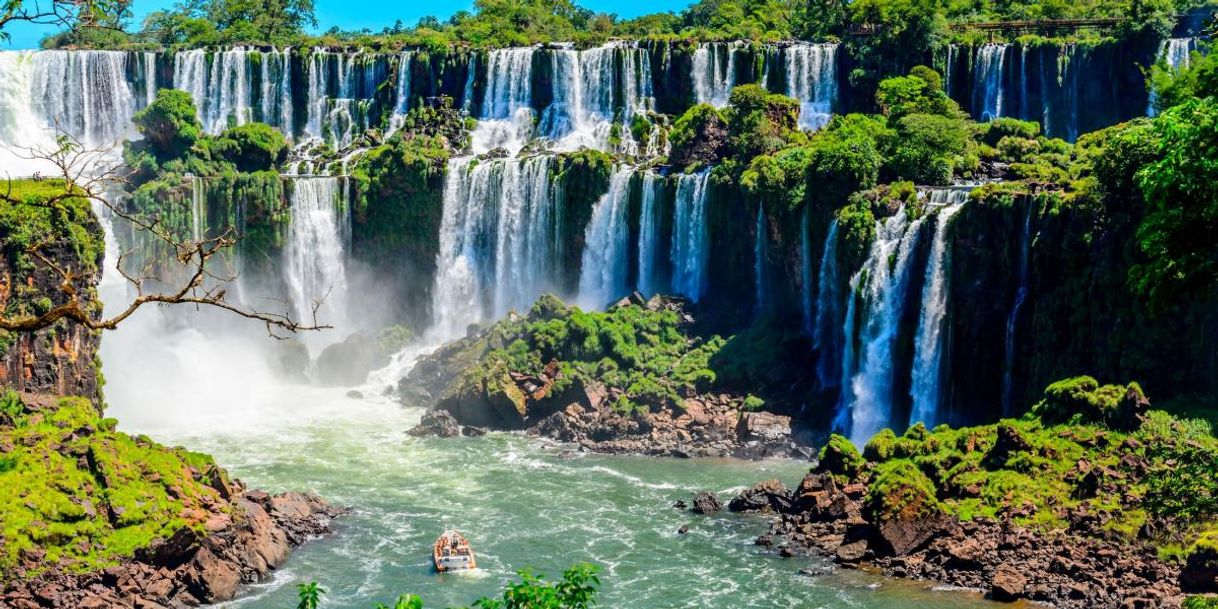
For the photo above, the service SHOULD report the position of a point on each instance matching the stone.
(437, 423)
(706, 503)
(906, 535)
(851, 552)
(683, 530)
(770, 495)
(764, 427)
(1008, 583)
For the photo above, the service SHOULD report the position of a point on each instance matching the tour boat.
(452, 553)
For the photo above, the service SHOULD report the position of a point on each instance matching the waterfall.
(714, 72)
(988, 81)
(315, 269)
(150, 83)
(805, 271)
(1021, 295)
(198, 208)
(929, 341)
(882, 284)
(690, 237)
(591, 96)
(221, 83)
(812, 79)
(497, 247)
(1176, 53)
(606, 249)
(506, 119)
(84, 94)
(825, 338)
(760, 300)
(402, 92)
(649, 234)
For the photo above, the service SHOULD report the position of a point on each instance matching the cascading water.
(649, 234)
(868, 387)
(929, 342)
(1021, 296)
(84, 94)
(222, 86)
(805, 272)
(591, 95)
(315, 265)
(506, 118)
(826, 339)
(1177, 54)
(496, 240)
(714, 72)
(606, 251)
(760, 252)
(690, 235)
(44, 94)
(988, 81)
(811, 71)
(198, 208)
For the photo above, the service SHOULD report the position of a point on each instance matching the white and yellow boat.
(452, 553)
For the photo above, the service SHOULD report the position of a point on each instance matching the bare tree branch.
(87, 176)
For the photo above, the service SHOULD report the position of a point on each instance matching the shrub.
(169, 123)
(251, 147)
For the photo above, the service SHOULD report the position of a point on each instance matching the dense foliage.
(576, 590)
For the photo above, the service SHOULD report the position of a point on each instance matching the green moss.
(899, 490)
(841, 459)
(1083, 399)
(88, 496)
(1035, 471)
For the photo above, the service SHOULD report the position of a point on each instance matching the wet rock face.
(768, 496)
(438, 423)
(61, 359)
(706, 503)
(238, 547)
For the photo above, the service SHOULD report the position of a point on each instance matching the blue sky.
(373, 14)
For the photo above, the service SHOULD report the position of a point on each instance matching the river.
(523, 503)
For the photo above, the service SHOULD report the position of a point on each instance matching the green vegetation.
(576, 590)
(905, 26)
(77, 494)
(643, 356)
(1065, 455)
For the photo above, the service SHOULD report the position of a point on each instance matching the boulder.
(770, 495)
(763, 427)
(905, 535)
(437, 423)
(707, 503)
(1008, 583)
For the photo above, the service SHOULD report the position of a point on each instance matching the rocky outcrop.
(1066, 569)
(436, 423)
(706, 503)
(708, 426)
(476, 382)
(240, 545)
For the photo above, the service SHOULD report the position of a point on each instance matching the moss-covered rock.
(1084, 399)
(841, 459)
(76, 494)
